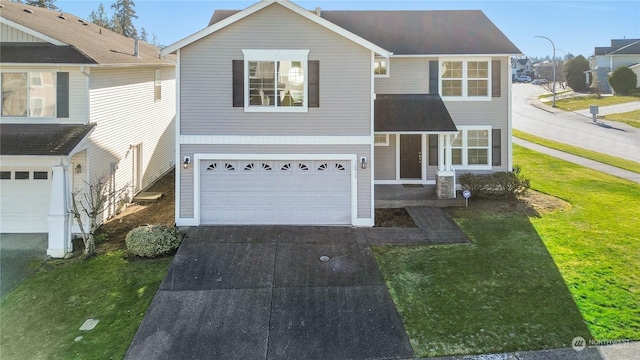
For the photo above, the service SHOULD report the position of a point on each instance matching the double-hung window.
(29, 94)
(471, 148)
(276, 80)
(381, 67)
(467, 79)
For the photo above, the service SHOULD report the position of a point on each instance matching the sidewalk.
(595, 165)
(602, 110)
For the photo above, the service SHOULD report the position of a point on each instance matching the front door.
(410, 156)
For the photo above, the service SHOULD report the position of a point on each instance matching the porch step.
(147, 196)
(393, 204)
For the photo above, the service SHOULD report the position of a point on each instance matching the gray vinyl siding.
(187, 175)
(385, 158)
(206, 79)
(11, 34)
(406, 76)
(122, 104)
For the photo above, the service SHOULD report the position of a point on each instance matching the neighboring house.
(290, 116)
(544, 70)
(521, 67)
(78, 103)
(622, 52)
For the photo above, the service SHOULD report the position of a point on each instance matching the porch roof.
(41, 139)
(412, 112)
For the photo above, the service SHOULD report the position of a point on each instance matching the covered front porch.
(414, 137)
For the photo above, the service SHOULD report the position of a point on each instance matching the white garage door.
(275, 192)
(24, 201)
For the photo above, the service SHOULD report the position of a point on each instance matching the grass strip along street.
(504, 292)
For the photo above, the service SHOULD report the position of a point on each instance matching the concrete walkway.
(612, 109)
(612, 170)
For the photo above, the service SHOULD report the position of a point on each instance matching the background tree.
(623, 80)
(47, 4)
(143, 34)
(574, 72)
(123, 16)
(100, 17)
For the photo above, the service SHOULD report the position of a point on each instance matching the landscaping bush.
(623, 80)
(499, 184)
(152, 240)
(574, 72)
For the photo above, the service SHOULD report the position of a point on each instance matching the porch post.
(445, 182)
(59, 232)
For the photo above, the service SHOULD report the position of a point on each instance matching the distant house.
(521, 67)
(291, 116)
(78, 102)
(622, 52)
(544, 70)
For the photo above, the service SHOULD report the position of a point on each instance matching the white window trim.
(386, 140)
(465, 160)
(381, 58)
(276, 55)
(465, 79)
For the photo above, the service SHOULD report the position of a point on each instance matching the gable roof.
(238, 15)
(75, 37)
(41, 139)
(419, 32)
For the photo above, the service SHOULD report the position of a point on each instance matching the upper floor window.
(29, 94)
(276, 80)
(381, 67)
(465, 79)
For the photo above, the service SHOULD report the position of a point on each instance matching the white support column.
(445, 183)
(441, 147)
(59, 232)
(448, 153)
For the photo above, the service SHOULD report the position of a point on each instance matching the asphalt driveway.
(264, 293)
(17, 252)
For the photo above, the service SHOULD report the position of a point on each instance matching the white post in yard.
(59, 234)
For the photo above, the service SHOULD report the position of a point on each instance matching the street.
(610, 138)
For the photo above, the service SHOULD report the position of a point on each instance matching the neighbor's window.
(381, 67)
(29, 94)
(471, 147)
(276, 80)
(468, 79)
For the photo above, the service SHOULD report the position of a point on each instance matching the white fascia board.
(261, 5)
(32, 32)
(450, 55)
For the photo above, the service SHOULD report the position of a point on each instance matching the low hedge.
(152, 240)
(499, 184)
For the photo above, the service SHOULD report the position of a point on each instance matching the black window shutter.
(433, 149)
(496, 154)
(433, 77)
(496, 79)
(62, 95)
(238, 83)
(314, 83)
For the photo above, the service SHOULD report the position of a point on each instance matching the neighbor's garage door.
(24, 201)
(275, 192)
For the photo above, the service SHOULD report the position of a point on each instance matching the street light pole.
(554, 67)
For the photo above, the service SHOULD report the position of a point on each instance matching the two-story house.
(290, 116)
(605, 59)
(79, 102)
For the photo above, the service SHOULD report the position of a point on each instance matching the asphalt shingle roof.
(419, 32)
(421, 112)
(97, 44)
(41, 139)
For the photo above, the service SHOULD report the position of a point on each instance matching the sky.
(575, 27)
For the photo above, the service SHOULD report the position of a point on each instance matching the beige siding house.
(297, 125)
(78, 103)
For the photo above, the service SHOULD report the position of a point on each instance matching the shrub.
(623, 80)
(152, 240)
(574, 72)
(499, 184)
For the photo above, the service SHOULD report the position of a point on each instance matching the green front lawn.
(583, 102)
(630, 118)
(517, 286)
(41, 317)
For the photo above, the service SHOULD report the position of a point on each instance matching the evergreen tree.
(143, 34)
(47, 4)
(100, 18)
(623, 80)
(574, 72)
(123, 16)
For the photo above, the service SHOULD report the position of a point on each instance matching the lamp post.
(554, 67)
